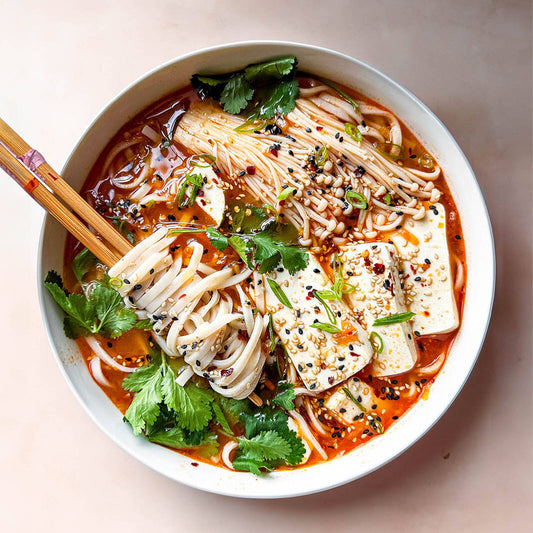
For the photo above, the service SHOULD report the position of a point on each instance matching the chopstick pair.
(37, 178)
(29, 168)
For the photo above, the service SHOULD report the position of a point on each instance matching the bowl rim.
(287, 492)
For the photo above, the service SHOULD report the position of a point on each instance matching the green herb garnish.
(264, 89)
(286, 192)
(279, 294)
(376, 341)
(357, 199)
(348, 393)
(394, 319)
(321, 156)
(102, 311)
(285, 396)
(330, 328)
(353, 131)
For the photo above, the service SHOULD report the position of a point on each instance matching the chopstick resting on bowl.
(29, 168)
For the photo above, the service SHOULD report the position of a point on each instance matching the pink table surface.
(471, 63)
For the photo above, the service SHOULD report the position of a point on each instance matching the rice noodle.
(194, 317)
(226, 453)
(96, 347)
(95, 364)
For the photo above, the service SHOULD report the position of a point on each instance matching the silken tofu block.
(342, 407)
(322, 359)
(426, 273)
(378, 294)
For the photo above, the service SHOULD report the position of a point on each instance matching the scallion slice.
(211, 159)
(348, 393)
(321, 156)
(358, 200)
(397, 318)
(286, 192)
(376, 341)
(353, 131)
(330, 328)
(329, 312)
(271, 332)
(279, 294)
(388, 199)
(349, 99)
(390, 150)
(426, 161)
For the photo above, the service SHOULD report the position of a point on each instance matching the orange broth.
(132, 347)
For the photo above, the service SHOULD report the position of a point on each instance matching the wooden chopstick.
(63, 190)
(11, 146)
(65, 217)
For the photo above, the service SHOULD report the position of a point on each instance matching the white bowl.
(479, 255)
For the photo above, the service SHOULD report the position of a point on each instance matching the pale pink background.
(471, 63)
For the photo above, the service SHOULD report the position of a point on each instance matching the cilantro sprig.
(268, 442)
(260, 241)
(100, 309)
(189, 417)
(262, 90)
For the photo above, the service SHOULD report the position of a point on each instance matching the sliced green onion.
(321, 156)
(286, 192)
(358, 200)
(278, 293)
(394, 319)
(329, 312)
(387, 149)
(388, 199)
(379, 426)
(426, 161)
(270, 208)
(330, 328)
(116, 282)
(271, 332)
(150, 203)
(178, 231)
(211, 159)
(327, 294)
(353, 131)
(349, 99)
(376, 341)
(348, 393)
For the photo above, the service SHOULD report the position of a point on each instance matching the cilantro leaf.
(236, 95)
(262, 449)
(280, 99)
(102, 311)
(242, 247)
(191, 403)
(221, 418)
(218, 240)
(114, 317)
(285, 396)
(254, 466)
(83, 262)
(144, 408)
(275, 68)
(265, 89)
(267, 445)
(234, 408)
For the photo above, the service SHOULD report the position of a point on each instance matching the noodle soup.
(321, 260)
